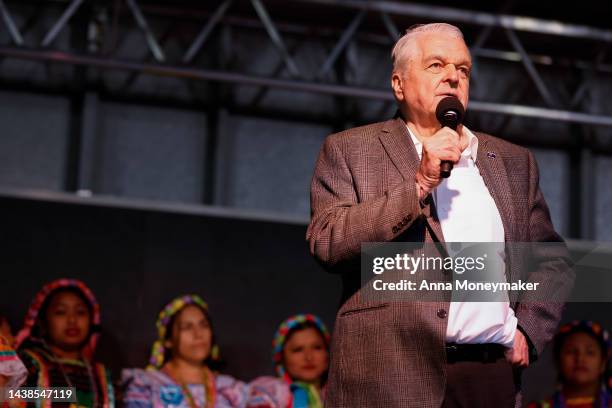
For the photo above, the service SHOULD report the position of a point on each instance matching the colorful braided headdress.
(280, 337)
(158, 351)
(32, 316)
(594, 328)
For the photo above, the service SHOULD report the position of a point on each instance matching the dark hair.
(214, 365)
(560, 340)
(304, 326)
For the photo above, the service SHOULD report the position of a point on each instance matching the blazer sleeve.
(538, 313)
(340, 222)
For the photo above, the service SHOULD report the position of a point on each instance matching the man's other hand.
(519, 353)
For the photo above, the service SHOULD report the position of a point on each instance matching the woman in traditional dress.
(58, 340)
(301, 359)
(582, 353)
(184, 363)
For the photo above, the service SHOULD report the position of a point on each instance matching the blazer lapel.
(493, 172)
(398, 144)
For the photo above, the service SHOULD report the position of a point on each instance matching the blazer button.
(442, 313)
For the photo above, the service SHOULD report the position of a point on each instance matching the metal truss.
(325, 80)
(139, 14)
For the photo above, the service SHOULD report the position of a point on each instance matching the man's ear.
(397, 84)
(168, 344)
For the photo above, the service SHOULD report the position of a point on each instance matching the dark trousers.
(473, 384)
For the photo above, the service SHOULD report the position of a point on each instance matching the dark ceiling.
(331, 14)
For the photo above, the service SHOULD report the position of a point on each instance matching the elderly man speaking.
(386, 182)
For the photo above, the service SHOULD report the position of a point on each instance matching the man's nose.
(452, 74)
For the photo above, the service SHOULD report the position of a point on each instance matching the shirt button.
(442, 313)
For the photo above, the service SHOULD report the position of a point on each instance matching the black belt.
(484, 353)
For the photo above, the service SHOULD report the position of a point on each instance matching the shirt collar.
(471, 149)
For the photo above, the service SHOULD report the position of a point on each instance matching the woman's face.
(581, 361)
(305, 356)
(191, 336)
(67, 321)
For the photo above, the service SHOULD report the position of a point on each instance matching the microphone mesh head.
(450, 112)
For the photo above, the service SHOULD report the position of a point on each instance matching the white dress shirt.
(467, 213)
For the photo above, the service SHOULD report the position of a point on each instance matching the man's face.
(439, 67)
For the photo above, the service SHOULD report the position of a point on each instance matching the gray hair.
(404, 47)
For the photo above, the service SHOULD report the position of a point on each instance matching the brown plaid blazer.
(391, 354)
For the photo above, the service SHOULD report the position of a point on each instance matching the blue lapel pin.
(491, 155)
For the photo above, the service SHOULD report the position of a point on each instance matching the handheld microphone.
(449, 112)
